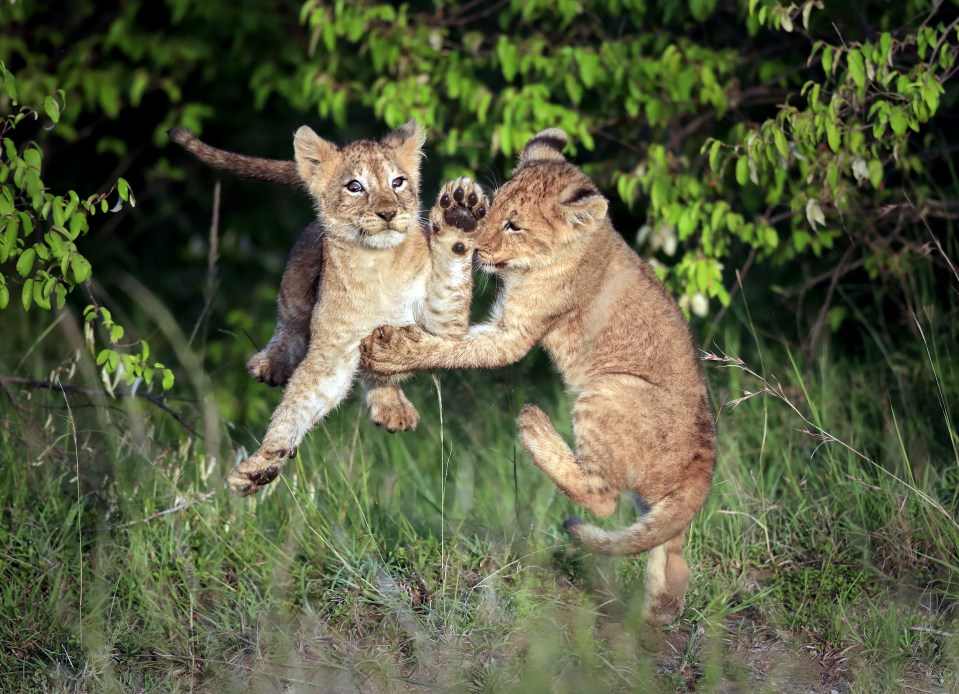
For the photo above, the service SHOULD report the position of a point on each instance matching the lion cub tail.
(280, 171)
(660, 522)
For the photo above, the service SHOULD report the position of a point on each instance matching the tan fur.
(641, 419)
(278, 171)
(300, 284)
(379, 266)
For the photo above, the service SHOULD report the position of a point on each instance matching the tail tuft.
(180, 135)
(573, 522)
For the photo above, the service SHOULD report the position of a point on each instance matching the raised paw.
(459, 210)
(258, 470)
(391, 351)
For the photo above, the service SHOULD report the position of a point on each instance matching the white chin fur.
(383, 239)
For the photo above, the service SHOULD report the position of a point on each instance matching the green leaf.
(779, 138)
(827, 60)
(885, 43)
(786, 21)
(52, 109)
(898, 121)
(33, 157)
(742, 171)
(25, 263)
(588, 64)
(167, 379)
(857, 68)
(4, 296)
(508, 58)
(81, 268)
(930, 95)
(41, 297)
(714, 155)
(836, 315)
(10, 85)
(26, 296)
(770, 237)
(832, 136)
(875, 173)
(701, 9)
(8, 242)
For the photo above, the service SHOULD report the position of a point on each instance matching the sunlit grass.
(378, 562)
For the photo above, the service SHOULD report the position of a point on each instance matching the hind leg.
(275, 363)
(576, 477)
(667, 578)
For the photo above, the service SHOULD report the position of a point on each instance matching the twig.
(92, 393)
(827, 302)
(13, 400)
(212, 256)
(740, 274)
(176, 508)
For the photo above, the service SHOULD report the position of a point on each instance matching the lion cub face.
(547, 207)
(366, 192)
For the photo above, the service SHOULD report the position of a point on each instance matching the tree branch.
(155, 400)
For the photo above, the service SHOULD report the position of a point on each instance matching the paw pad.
(463, 204)
(264, 476)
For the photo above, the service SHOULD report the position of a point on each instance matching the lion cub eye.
(511, 226)
(398, 182)
(354, 187)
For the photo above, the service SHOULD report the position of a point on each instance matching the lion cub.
(642, 419)
(378, 266)
(297, 295)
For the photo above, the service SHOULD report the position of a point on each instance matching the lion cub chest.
(363, 289)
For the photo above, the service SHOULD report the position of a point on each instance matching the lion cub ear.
(545, 145)
(407, 140)
(582, 205)
(313, 154)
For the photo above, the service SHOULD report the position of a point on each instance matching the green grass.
(825, 558)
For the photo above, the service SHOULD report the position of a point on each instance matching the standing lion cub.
(642, 420)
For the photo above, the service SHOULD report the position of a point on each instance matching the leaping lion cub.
(569, 282)
(376, 264)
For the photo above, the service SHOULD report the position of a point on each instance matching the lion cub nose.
(386, 215)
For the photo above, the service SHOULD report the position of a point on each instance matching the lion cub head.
(547, 207)
(366, 192)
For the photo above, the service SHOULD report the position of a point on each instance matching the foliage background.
(806, 149)
(825, 130)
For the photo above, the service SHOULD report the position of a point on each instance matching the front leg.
(456, 220)
(318, 385)
(392, 350)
